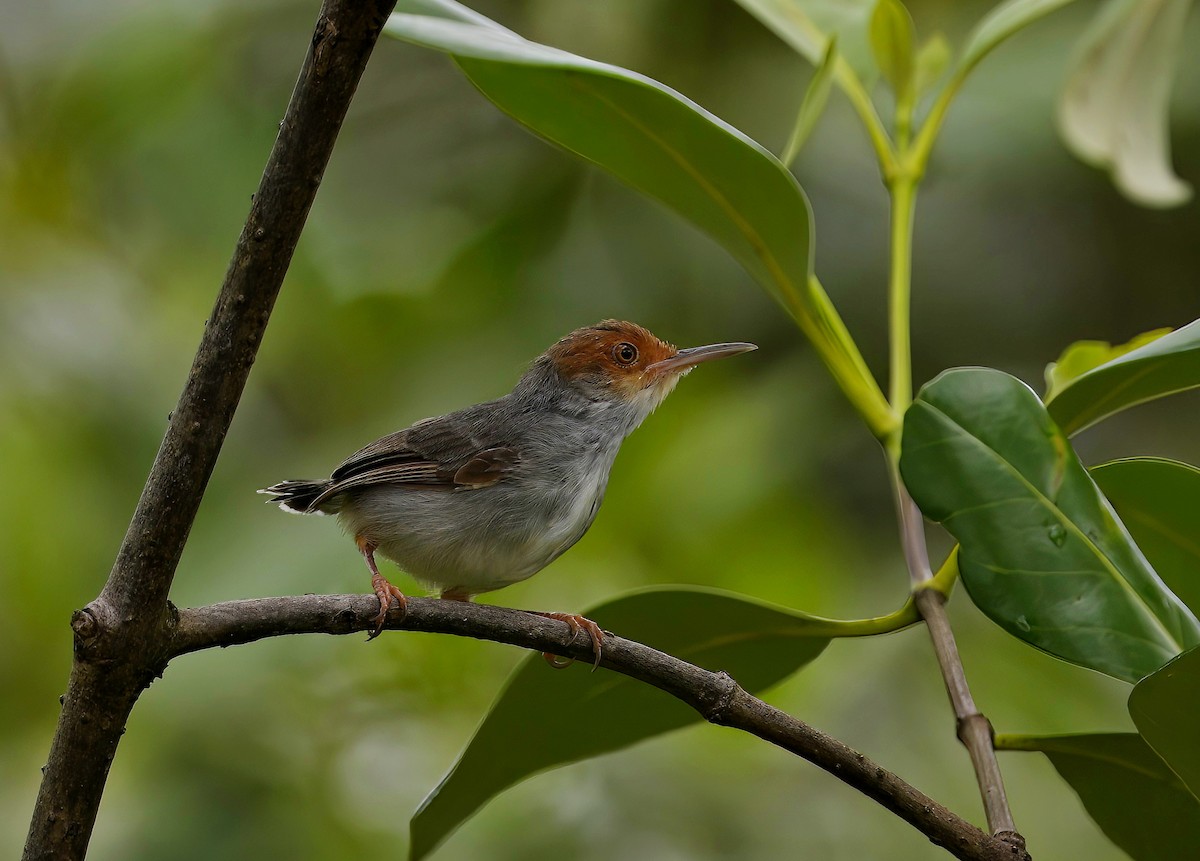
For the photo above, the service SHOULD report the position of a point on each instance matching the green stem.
(850, 84)
(904, 193)
(1010, 741)
(918, 154)
(903, 618)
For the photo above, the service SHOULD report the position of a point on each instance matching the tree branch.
(715, 696)
(119, 637)
(974, 730)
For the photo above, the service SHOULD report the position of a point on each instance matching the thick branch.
(974, 730)
(119, 636)
(714, 695)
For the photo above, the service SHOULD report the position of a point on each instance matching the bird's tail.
(296, 497)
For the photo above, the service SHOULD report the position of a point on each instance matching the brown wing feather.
(392, 448)
(438, 453)
(486, 468)
(417, 476)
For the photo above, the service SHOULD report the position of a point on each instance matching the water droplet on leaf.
(1058, 534)
(1022, 623)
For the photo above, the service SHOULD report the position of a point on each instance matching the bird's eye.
(625, 353)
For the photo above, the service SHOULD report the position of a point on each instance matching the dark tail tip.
(296, 497)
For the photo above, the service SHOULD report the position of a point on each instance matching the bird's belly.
(476, 540)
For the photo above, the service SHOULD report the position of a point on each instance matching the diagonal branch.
(716, 696)
(119, 637)
(974, 729)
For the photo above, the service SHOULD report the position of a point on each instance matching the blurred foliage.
(447, 248)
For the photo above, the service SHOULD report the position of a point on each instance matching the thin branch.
(715, 696)
(974, 730)
(119, 636)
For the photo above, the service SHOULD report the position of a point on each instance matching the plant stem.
(850, 84)
(904, 194)
(898, 620)
(974, 730)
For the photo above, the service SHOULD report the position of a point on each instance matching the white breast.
(575, 517)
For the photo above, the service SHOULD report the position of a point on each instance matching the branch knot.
(719, 698)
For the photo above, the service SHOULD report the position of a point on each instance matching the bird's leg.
(384, 590)
(577, 623)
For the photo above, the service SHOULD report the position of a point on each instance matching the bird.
(489, 495)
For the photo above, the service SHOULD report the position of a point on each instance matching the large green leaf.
(1113, 110)
(544, 718)
(1159, 501)
(646, 134)
(1042, 552)
(1165, 707)
(1127, 790)
(1162, 367)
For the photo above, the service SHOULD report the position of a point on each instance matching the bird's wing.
(435, 454)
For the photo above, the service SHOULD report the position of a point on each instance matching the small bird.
(477, 499)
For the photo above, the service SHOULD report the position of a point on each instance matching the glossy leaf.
(1162, 367)
(545, 719)
(1164, 707)
(1083, 356)
(641, 131)
(815, 98)
(1042, 552)
(1114, 109)
(1159, 502)
(892, 36)
(808, 25)
(1137, 801)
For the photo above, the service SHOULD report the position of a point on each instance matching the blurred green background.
(446, 249)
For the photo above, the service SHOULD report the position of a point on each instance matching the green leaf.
(1113, 112)
(669, 148)
(932, 61)
(543, 719)
(1162, 367)
(815, 98)
(646, 134)
(999, 24)
(892, 36)
(1164, 707)
(1083, 356)
(1127, 790)
(1159, 501)
(1042, 553)
(808, 25)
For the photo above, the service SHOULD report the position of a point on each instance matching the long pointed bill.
(685, 360)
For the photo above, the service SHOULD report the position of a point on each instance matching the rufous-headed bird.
(474, 500)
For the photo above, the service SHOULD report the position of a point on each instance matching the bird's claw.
(577, 623)
(385, 592)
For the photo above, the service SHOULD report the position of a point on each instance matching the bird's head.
(625, 364)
